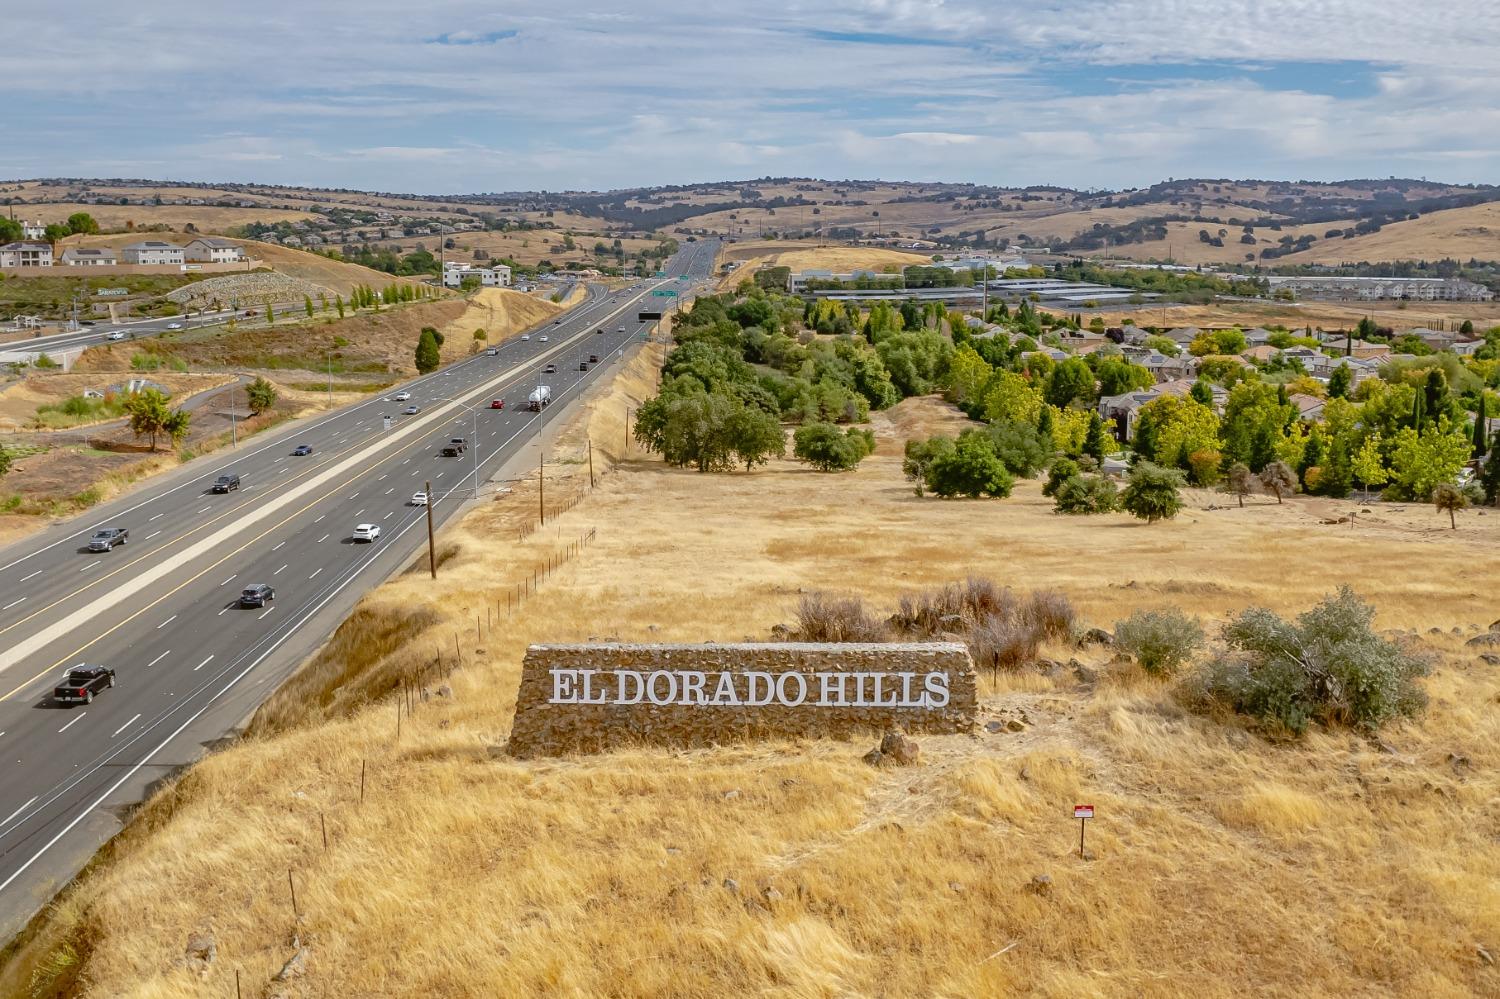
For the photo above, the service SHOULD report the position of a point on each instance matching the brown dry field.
(839, 259)
(1224, 863)
(19, 400)
(1325, 315)
(208, 218)
(1460, 233)
(541, 244)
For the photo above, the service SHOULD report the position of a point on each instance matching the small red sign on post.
(1082, 813)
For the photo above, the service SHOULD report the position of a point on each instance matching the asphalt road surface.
(162, 609)
(134, 329)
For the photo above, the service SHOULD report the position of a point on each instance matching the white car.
(401, 396)
(543, 338)
(367, 532)
(525, 336)
(174, 326)
(419, 499)
(116, 335)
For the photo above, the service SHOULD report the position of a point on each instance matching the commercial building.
(1369, 289)
(497, 276)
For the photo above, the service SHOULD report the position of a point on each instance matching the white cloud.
(1093, 92)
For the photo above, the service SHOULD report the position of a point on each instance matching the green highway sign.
(664, 294)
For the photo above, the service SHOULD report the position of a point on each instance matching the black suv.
(225, 483)
(256, 595)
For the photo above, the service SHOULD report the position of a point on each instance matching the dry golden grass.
(501, 313)
(207, 218)
(1225, 864)
(19, 400)
(1459, 233)
(839, 259)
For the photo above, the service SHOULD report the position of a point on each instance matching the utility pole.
(591, 462)
(234, 440)
(431, 546)
(330, 378)
(541, 489)
(476, 454)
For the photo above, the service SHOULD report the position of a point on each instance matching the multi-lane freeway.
(104, 332)
(162, 609)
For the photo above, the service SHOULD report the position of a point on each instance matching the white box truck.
(539, 397)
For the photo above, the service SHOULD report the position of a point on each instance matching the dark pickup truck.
(455, 447)
(106, 538)
(82, 683)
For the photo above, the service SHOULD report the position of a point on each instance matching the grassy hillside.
(1223, 862)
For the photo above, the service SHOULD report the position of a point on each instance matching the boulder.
(1041, 884)
(1487, 640)
(732, 886)
(874, 757)
(898, 749)
(1015, 725)
(294, 966)
(1086, 674)
(201, 947)
(1096, 636)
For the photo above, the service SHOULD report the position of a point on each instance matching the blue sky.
(459, 96)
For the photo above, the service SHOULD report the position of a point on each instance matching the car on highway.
(106, 538)
(599, 331)
(543, 338)
(419, 498)
(497, 403)
(557, 322)
(412, 410)
(525, 336)
(82, 683)
(366, 532)
(593, 358)
(257, 595)
(226, 482)
(583, 365)
(492, 352)
(302, 450)
(116, 335)
(401, 396)
(619, 329)
(550, 369)
(174, 326)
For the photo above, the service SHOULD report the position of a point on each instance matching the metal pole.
(234, 440)
(431, 547)
(330, 378)
(541, 490)
(476, 454)
(1081, 824)
(591, 462)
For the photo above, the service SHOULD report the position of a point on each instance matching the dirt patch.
(501, 313)
(19, 401)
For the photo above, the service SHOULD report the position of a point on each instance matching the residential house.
(213, 250)
(33, 230)
(1260, 354)
(1309, 407)
(1167, 368)
(1466, 348)
(153, 252)
(25, 254)
(292, 241)
(89, 256)
(1123, 410)
(1436, 339)
(1183, 335)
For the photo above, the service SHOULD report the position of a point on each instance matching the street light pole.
(330, 378)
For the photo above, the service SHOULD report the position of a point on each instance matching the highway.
(134, 329)
(162, 609)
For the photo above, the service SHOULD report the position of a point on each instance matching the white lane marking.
(13, 603)
(230, 579)
(322, 539)
(283, 471)
(126, 725)
(440, 475)
(202, 664)
(315, 572)
(32, 576)
(71, 723)
(416, 471)
(354, 495)
(279, 546)
(320, 519)
(166, 622)
(157, 517)
(159, 658)
(205, 509)
(263, 616)
(387, 516)
(151, 535)
(390, 490)
(359, 511)
(221, 613)
(278, 571)
(382, 478)
(91, 565)
(18, 811)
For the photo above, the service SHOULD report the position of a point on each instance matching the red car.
(497, 403)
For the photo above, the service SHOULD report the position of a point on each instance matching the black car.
(302, 449)
(583, 365)
(256, 595)
(82, 683)
(106, 538)
(225, 483)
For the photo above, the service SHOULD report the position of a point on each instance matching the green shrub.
(1079, 494)
(1061, 470)
(1161, 640)
(1152, 492)
(1327, 666)
(829, 449)
(971, 468)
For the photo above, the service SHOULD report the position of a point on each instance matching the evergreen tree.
(427, 358)
(1480, 421)
(1312, 455)
(1435, 391)
(1489, 478)
(1339, 382)
(1096, 443)
(307, 305)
